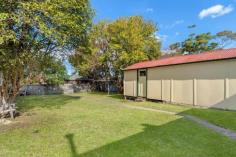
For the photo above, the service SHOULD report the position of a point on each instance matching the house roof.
(183, 59)
(74, 77)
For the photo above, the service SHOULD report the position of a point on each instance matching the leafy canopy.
(117, 44)
(225, 38)
(34, 29)
(195, 43)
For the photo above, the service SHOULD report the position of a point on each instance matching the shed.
(206, 79)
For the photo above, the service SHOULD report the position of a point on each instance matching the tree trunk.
(11, 83)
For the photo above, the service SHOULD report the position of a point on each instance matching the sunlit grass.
(96, 125)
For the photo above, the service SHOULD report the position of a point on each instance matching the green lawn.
(96, 125)
(226, 119)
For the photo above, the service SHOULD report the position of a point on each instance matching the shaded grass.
(222, 118)
(116, 96)
(226, 119)
(167, 140)
(49, 101)
(95, 126)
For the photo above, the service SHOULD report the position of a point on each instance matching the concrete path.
(148, 109)
(220, 130)
(225, 132)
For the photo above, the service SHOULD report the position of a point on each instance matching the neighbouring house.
(85, 84)
(206, 79)
(76, 83)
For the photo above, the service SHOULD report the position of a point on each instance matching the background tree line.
(197, 43)
(113, 45)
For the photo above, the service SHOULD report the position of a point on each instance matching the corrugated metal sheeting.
(208, 84)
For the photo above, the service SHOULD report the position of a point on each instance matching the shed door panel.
(142, 84)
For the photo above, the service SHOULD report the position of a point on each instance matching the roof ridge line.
(191, 58)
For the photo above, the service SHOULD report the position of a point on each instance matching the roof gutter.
(179, 64)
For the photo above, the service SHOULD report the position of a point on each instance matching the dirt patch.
(25, 120)
(5, 122)
(30, 119)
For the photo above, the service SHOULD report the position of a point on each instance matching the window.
(142, 73)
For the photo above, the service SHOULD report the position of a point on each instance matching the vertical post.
(137, 91)
(134, 87)
(124, 85)
(108, 87)
(161, 89)
(1, 83)
(146, 83)
(124, 88)
(171, 90)
(1, 78)
(226, 88)
(194, 91)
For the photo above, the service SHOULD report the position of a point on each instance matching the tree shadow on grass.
(219, 117)
(47, 101)
(111, 95)
(177, 138)
(70, 138)
(117, 96)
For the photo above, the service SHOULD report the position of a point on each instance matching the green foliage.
(195, 44)
(225, 38)
(54, 73)
(31, 30)
(204, 42)
(115, 45)
(228, 34)
(132, 40)
(60, 22)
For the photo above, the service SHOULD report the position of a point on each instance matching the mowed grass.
(96, 125)
(222, 118)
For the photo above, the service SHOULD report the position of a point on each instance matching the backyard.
(95, 124)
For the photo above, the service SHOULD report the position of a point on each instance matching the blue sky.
(171, 16)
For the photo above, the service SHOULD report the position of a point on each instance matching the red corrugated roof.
(204, 56)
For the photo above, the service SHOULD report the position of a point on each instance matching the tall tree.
(195, 43)
(225, 38)
(30, 30)
(90, 61)
(117, 44)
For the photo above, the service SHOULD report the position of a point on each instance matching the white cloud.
(149, 10)
(215, 11)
